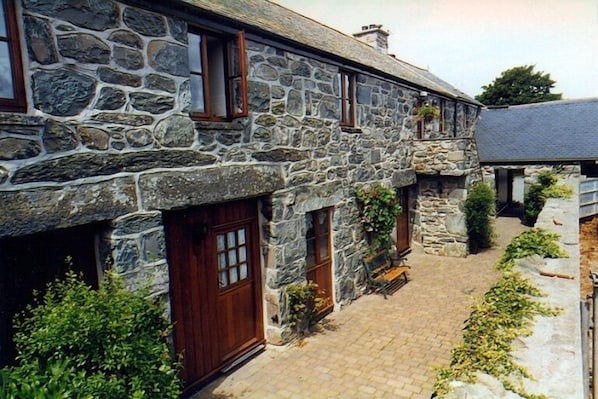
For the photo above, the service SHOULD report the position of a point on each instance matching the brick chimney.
(374, 36)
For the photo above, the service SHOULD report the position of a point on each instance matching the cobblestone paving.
(377, 348)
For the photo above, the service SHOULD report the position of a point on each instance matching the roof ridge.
(549, 103)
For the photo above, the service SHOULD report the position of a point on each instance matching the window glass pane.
(6, 84)
(323, 247)
(232, 257)
(323, 221)
(2, 20)
(195, 52)
(234, 276)
(311, 253)
(241, 234)
(221, 243)
(346, 86)
(223, 279)
(232, 241)
(237, 93)
(197, 94)
(309, 221)
(243, 271)
(242, 254)
(221, 261)
(234, 61)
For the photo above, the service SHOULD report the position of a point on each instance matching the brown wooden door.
(403, 235)
(215, 286)
(319, 257)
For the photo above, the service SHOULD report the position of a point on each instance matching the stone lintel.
(403, 178)
(47, 208)
(180, 189)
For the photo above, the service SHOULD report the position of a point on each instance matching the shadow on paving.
(377, 348)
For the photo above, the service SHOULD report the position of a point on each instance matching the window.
(12, 90)
(319, 256)
(428, 127)
(232, 257)
(318, 237)
(347, 86)
(218, 71)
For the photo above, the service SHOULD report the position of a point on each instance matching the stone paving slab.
(377, 348)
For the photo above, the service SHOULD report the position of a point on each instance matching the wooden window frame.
(228, 77)
(18, 103)
(348, 97)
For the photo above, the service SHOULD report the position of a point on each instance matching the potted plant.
(428, 112)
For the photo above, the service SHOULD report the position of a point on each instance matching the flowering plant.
(379, 210)
(428, 112)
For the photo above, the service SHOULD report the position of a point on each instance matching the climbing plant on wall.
(379, 208)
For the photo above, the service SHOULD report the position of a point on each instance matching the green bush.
(303, 305)
(534, 241)
(533, 203)
(480, 207)
(379, 208)
(78, 342)
(506, 312)
(536, 196)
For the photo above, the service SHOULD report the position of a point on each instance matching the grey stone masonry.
(108, 137)
(552, 353)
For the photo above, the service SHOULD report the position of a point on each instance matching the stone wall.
(108, 137)
(440, 226)
(552, 353)
(447, 168)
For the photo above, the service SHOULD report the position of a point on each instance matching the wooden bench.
(384, 274)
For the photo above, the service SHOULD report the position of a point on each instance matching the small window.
(347, 86)
(442, 106)
(318, 237)
(218, 76)
(428, 127)
(12, 90)
(466, 116)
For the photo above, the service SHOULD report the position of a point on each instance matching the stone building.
(211, 150)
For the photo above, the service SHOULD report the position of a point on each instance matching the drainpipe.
(595, 336)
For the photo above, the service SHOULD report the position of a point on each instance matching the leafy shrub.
(379, 210)
(534, 241)
(507, 311)
(302, 306)
(536, 196)
(480, 207)
(81, 343)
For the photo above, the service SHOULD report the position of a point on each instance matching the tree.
(519, 85)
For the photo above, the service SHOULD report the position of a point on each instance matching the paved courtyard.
(377, 348)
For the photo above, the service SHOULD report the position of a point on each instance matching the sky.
(468, 43)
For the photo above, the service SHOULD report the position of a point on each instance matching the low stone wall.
(552, 354)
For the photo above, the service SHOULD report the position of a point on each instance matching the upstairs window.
(218, 76)
(12, 90)
(347, 87)
(430, 125)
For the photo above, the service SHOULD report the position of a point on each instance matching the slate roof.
(553, 131)
(274, 19)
